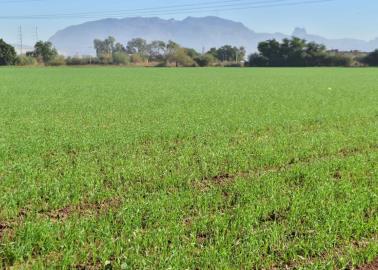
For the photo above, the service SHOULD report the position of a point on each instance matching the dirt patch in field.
(340, 250)
(203, 238)
(345, 152)
(82, 209)
(7, 226)
(370, 266)
(3, 227)
(62, 214)
(227, 178)
(222, 178)
(218, 180)
(275, 216)
(337, 175)
(88, 266)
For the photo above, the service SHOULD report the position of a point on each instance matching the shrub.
(106, 59)
(85, 60)
(233, 65)
(23, 60)
(73, 61)
(136, 59)
(337, 60)
(205, 60)
(257, 60)
(121, 58)
(57, 61)
(181, 58)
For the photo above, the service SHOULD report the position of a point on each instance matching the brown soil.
(82, 209)
(226, 178)
(370, 266)
(223, 178)
(3, 228)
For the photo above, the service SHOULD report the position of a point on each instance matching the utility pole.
(20, 38)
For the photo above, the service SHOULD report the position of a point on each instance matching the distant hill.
(199, 33)
(345, 44)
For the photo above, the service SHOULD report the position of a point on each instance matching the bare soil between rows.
(371, 266)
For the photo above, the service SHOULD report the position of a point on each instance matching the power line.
(211, 4)
(237, 7)
(177, 9)
(19, 1)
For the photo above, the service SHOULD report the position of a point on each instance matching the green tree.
(178, 55)
(156, 50)
(258, 60)
(104, 48)
(137, 46)
(182, 58)
(315, 54)
(205, 60)
(270, 50)
(8, 54)
(228, 53)
(371, 59)
(171, 48)
(44, 51)
(192, 53)
(119, 48)
(121, 58)
(295, 52)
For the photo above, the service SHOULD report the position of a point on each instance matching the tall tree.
(371, 59)
(178, 55)
(137, 46)
(8, 54)
(104, 47)
(295, 52)
(228, 53)
(156, 50)
(271, 50)
(119, 48)
(44, 51)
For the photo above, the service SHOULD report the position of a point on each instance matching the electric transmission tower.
(20, 39)
(36, 34)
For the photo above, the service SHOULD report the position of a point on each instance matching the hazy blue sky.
(337, 18)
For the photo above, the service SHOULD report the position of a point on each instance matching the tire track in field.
(85, 208)
(340, 251)
(226, 178)
(62, 214)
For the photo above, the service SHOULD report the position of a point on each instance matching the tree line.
(170, 53)
(294, 52)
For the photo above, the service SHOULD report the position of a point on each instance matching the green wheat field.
(137, 168)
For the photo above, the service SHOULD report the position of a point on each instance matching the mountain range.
(200, 33)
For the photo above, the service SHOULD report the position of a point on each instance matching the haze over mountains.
(198, 33)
